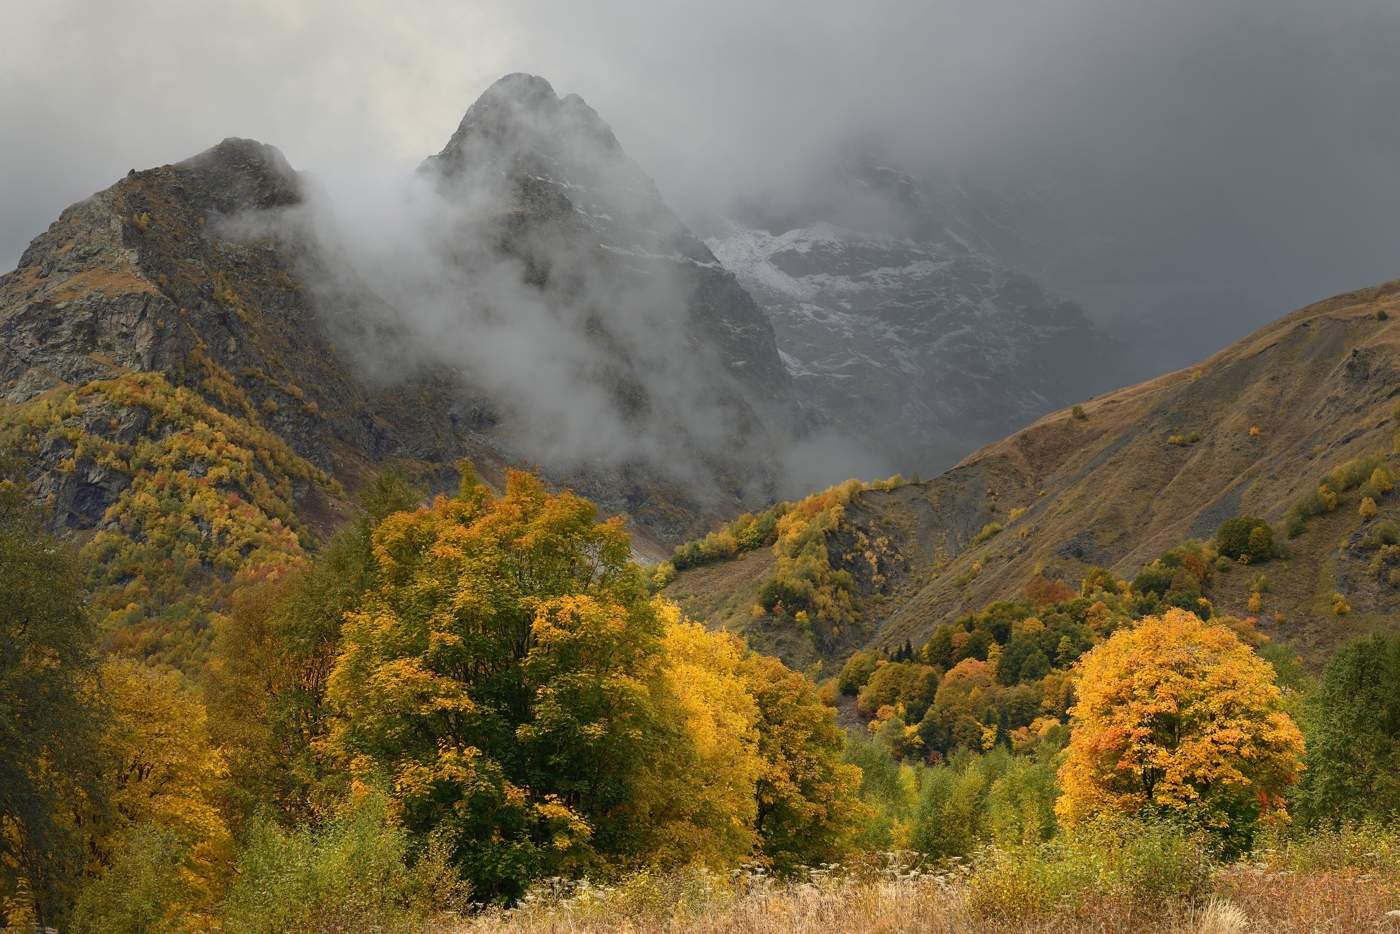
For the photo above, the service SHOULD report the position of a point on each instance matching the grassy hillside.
(1126, 476)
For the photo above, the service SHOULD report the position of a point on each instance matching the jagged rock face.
(597, 239)
(900, 325)
(142, 279)
(176, 271)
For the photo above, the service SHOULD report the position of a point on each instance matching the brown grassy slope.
(1317, 384)
(1110, 489)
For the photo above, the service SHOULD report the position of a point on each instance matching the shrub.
(1354, 472)
(988, 532)
(1340, 606)
(1145, 864)
(1384, 532)
(1366, 846)
(856, 672)
(145, 888)
(1367, 509)
(1247, 537)
(1078, 413)
(357, 873)
(663, 574)
(1382, 481)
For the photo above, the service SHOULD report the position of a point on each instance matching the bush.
(857, 670)
(1367, 846)
(1247, 537)
(1368, 508)
(1384, 532)
(988, 532)
(1143, 863)
(1382, 482)
(357, 873)
(1354, 472)
(145, 888)
(663, 574)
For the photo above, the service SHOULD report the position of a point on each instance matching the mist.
(533, 265)
(1186, 171)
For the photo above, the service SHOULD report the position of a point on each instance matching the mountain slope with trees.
(1290, 425)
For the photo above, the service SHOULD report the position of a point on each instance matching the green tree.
(856, 672)
(1353, 734)
(273, 653)
(490, 619)
(1245, 537)
(49, 719)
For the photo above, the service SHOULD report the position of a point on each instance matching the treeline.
(450, 702)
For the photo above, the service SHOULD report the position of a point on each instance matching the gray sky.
(1229, 159)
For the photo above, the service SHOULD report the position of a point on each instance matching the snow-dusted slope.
(921, 343)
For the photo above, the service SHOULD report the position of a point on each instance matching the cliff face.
(686, 357)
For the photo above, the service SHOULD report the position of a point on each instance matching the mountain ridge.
(1124, 477)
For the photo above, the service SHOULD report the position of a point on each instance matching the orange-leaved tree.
(1178, 716)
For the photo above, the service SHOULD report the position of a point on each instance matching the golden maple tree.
(1178, 715)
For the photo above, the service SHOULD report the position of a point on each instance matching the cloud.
(1236, 156)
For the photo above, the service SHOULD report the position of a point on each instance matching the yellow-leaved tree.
(510, 683)
(161, 842)
(699, 797)
(1178, 716)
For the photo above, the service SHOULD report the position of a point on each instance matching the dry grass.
(109, 280)
(1244, 899)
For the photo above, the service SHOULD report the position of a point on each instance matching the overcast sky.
(1247, 148)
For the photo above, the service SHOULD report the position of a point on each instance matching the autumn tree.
(461, 670)
(806, 796)
(697, 799)
(273, 654)
(1179, 716)
(162, 776)
(48, 717)
(509, 682)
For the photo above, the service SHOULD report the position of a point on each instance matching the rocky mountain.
(1289, 424)
(901, 324)
(183, 356)
(594, 235)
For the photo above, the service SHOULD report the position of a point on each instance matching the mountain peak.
(521, 118)
(237, 174)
